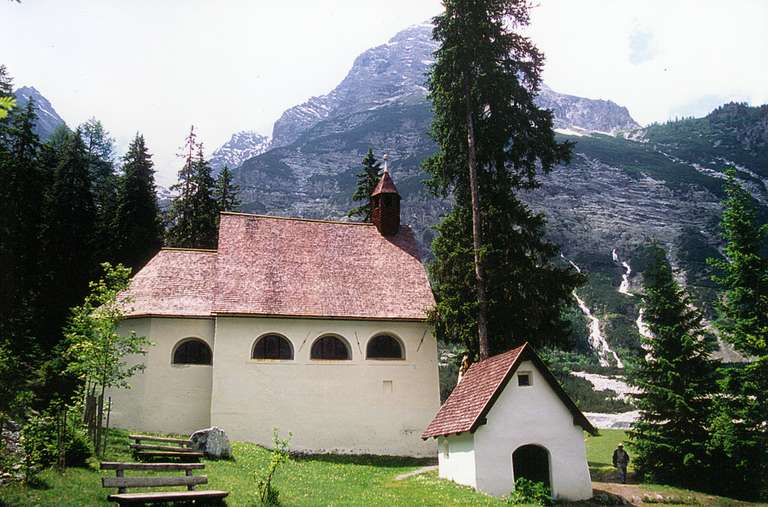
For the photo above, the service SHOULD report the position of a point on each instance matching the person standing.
(620, 461)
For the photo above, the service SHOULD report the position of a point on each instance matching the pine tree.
(99, 147)
(193, 215)
(367, 179)
(740, 426)
(493, 139)
(137, 227)
(676, 384)
(226, 192)
(21, 203)
(68, 235)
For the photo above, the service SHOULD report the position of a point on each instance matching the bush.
(39, 437)
(530, 492)
(268, 494)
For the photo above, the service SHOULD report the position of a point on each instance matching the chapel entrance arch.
(532, 462)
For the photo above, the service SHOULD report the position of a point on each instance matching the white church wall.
(165, 398)
(531, 415)
(351, 406)
(456, 459)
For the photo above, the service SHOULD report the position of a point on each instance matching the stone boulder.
(213, 442)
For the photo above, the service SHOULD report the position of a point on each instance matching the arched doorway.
(532, 462)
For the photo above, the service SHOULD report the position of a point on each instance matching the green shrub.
(39, 437)
(530, 492)
(268, 494)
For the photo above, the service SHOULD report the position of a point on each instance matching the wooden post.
(120, 473)
(190, 487)
(106, 428)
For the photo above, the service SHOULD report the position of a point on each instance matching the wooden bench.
(122, 483)
(179, 448)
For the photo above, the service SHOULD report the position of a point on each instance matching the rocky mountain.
(240, 147)
(48, 120)
(619, 191)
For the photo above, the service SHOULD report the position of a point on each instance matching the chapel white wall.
(531, 415)
(165, 398)
(329, 406)
(456, 459)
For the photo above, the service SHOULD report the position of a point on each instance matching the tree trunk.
(482, 297)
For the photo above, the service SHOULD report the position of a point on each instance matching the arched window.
(192, 351)
(272, 346)
(384, 346)
(329, 347)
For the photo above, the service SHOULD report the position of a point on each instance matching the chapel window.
(329, 347)
(384, 346)
(524, 379)
(272, 346)
(192, 351)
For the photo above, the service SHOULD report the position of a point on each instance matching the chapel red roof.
(385, 185)
(473, 397)
(175, 282)
(278, 266)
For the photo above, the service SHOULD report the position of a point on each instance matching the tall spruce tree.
(492, 141)
(740, 426)
(100, 152)
(137, 227)
(676, 384)
(68, 235)
(226, 192)
(21, 204)
(193, 215)
(367, 179)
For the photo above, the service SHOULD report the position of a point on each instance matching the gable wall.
(531, 415)
(165, 398)
(456, 459)
(329, 406)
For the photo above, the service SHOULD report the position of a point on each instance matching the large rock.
(213, 442)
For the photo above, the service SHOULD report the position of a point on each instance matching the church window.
(272, 346)
(524, 379)
(192, 351)
(384, 346)
(329, 347)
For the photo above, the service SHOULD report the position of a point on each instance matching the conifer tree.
(193, 215)
(137, 227)
(367, 179)
(226, 192)
(21, 203)
(492, 141)
(676, 384)
(69, 233)
(740, 425)
(99, 147)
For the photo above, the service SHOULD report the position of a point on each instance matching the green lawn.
(315, 481)
(324, 480)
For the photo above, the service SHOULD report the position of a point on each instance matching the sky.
(159, 66)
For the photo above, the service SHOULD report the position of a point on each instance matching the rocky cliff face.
(619, 191)
(240, 147)
(48, 120)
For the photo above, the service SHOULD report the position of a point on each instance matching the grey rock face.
(213, 442)
(240, 147)
(585, 114)
(48, 120)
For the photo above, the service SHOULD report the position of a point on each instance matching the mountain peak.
(240, 147)
(48, 120)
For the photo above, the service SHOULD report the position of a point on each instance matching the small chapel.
(312, 327)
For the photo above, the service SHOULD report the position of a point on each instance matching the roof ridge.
(178, 249)
(295, 219)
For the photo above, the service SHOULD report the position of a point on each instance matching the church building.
(312, 327)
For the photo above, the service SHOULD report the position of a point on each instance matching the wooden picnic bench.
(122, 483)
(179, 448)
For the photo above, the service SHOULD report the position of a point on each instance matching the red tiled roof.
(279, 266)
(472, 399)
(175, 282)
(385, 185)
(290, 267)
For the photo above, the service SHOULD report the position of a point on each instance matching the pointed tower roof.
(385, 185)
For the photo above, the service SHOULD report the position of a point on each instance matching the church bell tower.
(385, 203)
